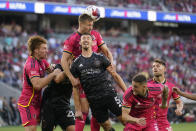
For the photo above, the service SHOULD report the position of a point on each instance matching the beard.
(157, 75)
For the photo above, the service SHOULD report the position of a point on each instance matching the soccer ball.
(93, 11)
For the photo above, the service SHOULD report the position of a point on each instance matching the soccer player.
(138, 102)
(56, 104)
(187, 95)
(33, 81)
(72, 49)
(159, 70)
(91, 68)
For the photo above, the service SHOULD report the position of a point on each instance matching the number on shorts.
(70, 114)
(118, 101)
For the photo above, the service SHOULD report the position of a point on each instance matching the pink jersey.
(32, 68)
(142, 106)
(72, 46)
(161, 114)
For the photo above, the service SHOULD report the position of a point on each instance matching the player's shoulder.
(77, 59)
(170, 83)
(73, 36)
(128, 93)
(94, 32)
(30, 63)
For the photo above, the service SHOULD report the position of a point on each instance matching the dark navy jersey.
(93, 76)
(58, 94)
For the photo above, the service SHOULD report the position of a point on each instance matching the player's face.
(86, 42)
(138, 88)
(158, 69)
(42, 51)
(87, 26)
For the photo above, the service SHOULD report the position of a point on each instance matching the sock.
(79, 124)
(94, 124)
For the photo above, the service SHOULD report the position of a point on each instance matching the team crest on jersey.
(97, 63)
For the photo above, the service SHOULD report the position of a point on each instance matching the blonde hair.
(34, 42)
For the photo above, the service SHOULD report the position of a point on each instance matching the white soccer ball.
(93, 11)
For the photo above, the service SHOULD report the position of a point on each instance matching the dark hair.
(87, 34)
(34, 42)
(139, 78)
(162, 62)
(84, 17)
(58, 66)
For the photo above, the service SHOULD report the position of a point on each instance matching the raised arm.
(66, 62)
(187, 95)
(104, 49)
(117, 78)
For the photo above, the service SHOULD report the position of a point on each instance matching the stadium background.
(136, 31)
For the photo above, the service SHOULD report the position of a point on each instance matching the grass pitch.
(118, 127)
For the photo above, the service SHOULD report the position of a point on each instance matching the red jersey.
(72, 46)
(162, 113)
(32, 68)
(142, 106)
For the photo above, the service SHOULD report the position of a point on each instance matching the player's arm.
(104, 49)
(127, 118)
(187, 95)
(39, 83)
(179, 105)
(65, 62)
(117, 77)
(76, 97)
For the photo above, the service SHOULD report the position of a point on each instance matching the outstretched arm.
(78, 112)
(187, 95)
(104, 49)
(117, 78)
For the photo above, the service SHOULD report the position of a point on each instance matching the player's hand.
(75, 82)
(177, 90)
(52, 66)
(56, 71)
(78, 114)
(164, 97)
(141, 121)
(178, 112)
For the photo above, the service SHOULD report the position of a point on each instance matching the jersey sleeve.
(68, 45)
(100, 41)
(74, 70)
(105, 61)
(175, 96)
(127, 99)
(32, 70)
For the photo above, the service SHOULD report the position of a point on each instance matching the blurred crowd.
(9, 114)
(178, 51)
(160, 5)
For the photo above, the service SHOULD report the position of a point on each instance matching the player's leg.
(29, 116)
(30, 128)
(100, 112)
(79, 124)
(94, 124)
(65, 118)
(47, 117)
(70, 128)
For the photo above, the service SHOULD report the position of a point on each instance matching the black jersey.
(93, 76)
(58, 94)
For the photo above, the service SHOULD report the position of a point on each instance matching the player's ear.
(80, 43)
